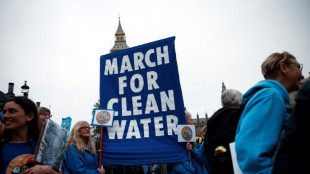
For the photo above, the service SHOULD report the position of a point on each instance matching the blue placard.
(142, 85)
(66, 124)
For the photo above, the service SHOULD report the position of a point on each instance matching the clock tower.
(120, 39)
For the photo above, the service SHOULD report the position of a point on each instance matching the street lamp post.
(25, 89)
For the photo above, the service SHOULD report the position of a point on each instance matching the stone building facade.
(199, 124)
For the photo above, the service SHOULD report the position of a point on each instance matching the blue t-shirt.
(12, 150)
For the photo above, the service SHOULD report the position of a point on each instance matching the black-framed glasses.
(86, 127)
(300, 65)
(46, 114)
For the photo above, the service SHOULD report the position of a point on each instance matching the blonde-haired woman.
(80, 155)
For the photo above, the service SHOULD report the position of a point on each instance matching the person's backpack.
(221, 130)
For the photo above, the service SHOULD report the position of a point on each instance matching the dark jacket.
(293, 152)
(221, 128)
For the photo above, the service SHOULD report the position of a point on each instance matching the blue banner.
(142, 85)
(66, 124)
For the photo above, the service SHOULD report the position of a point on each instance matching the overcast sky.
(56, 44)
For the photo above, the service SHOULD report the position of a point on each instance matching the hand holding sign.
(187, 133)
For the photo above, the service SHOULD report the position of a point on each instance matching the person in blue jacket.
(80, 156)
(194, 165)
(266, 113)
(197, 158)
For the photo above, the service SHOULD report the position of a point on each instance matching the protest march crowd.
(269, 134)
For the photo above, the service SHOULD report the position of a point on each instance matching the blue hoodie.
(260, 125)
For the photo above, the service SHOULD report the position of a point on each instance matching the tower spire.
(223, 87)
(120, 38)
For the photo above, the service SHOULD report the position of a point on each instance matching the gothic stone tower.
(120, 39)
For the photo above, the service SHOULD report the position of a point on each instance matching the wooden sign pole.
(100, 155)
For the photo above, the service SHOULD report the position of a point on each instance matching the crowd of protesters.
(269, 135)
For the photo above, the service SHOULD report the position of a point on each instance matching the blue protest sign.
(141, 84)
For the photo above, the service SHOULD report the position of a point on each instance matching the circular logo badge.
(19, 164)
(187, 133)
(103, 117)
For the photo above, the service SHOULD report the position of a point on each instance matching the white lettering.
(122, 84)
(148, 106)
(172, 122)
(110, 68)
(146, 129)
(110, 105)
(138, 57)
(133, 130)
(167, 101)
(117, 129)
(151, 80)
(161, 55)
(148, 61)
(158, 126)
(125, 112)
(126, 66)
(151, 104)
(140, 83)
(136, 105)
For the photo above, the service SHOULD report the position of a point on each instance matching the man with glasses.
(266, 113)
(44, 114)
